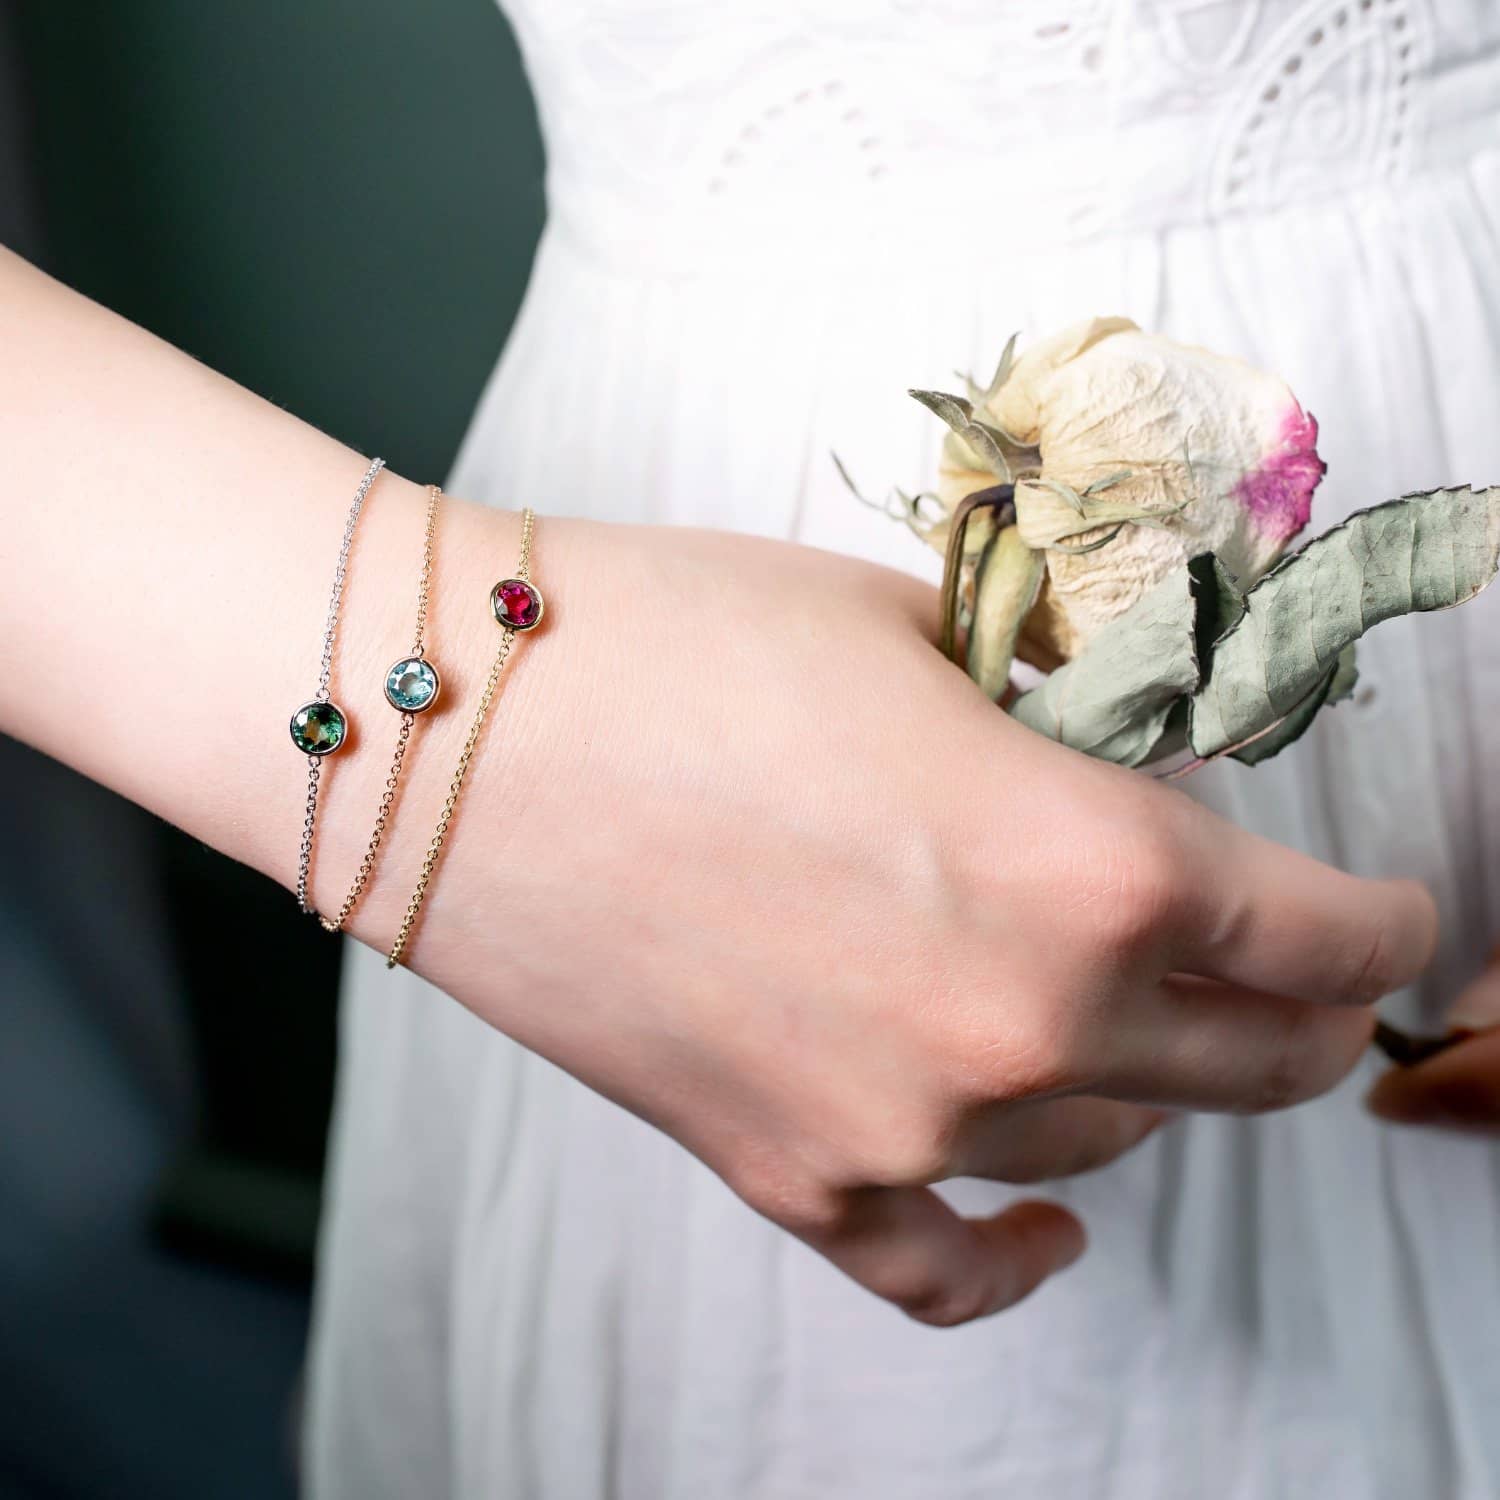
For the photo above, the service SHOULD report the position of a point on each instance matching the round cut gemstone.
(319, 728)
(518, 606)
(411, 685)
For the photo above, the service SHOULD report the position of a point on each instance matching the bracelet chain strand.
(435, 848)
(325, 676)
(367, 863)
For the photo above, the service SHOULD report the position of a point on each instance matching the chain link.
(435, 848)
(433, 495)
(304, 858)
(325, 677)
(367, 864)
(330, 629)
(528, 525)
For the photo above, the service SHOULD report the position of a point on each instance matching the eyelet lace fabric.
(767, 221)
(1077, 120)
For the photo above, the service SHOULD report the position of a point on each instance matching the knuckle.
(908, 1150)
(913, 1162)
(1133, 887)
(1041, 1057)
(788, 1195)
(1030, 1049)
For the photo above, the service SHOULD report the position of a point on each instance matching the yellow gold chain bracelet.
(412, 686)
(517, 606)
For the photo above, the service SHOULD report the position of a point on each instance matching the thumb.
(907, 1245)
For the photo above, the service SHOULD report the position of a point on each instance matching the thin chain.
(325, 672)
(304, 858)
(433, 495)
(325, 676)
(367, 864)
(528, 525)
(435, 848)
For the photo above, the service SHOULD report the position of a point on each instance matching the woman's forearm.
(165, 564)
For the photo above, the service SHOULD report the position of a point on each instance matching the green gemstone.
(318, 728)
(411, 685)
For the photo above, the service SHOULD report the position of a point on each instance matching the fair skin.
(702, 862)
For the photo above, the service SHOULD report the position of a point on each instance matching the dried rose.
(1122, 499)
(1130, 455)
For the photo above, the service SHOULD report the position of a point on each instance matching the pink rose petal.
(1278, 493)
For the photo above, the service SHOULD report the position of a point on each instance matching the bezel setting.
(321, 705)
(423, 668)
(502, 614)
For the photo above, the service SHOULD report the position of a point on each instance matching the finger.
(1199, 1044)
(908, 1246)
(1278, 921)
(1459, 1088)
(1051, 1138)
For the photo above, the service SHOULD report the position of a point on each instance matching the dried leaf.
(1221, 602)
(1003, 369)
(1334, 688)
(850, 485)
(1013, 447)
(986, 446)
(954, 410)
(1007, 440)
(1064, 492)
(1422, 552)
(1115, 700)
(973, 444)
(1345, 678)
(1093, 546)
(899, 506)
(1050, 513)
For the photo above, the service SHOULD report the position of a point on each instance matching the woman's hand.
(746, 855)
(1460, 1087)
(738, 848)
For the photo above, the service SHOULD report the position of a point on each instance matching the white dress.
(767, 220)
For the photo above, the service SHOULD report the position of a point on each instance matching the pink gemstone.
(518, 606)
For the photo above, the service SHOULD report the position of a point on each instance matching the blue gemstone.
(411, 685)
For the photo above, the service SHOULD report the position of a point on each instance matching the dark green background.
(333, 201)
(336, 203)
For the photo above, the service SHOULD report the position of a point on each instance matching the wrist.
(473, 548)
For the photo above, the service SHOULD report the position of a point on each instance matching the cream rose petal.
(1215, 456)
(1016, 406)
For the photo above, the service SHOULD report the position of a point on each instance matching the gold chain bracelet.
(517, 606)
(412, 686)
